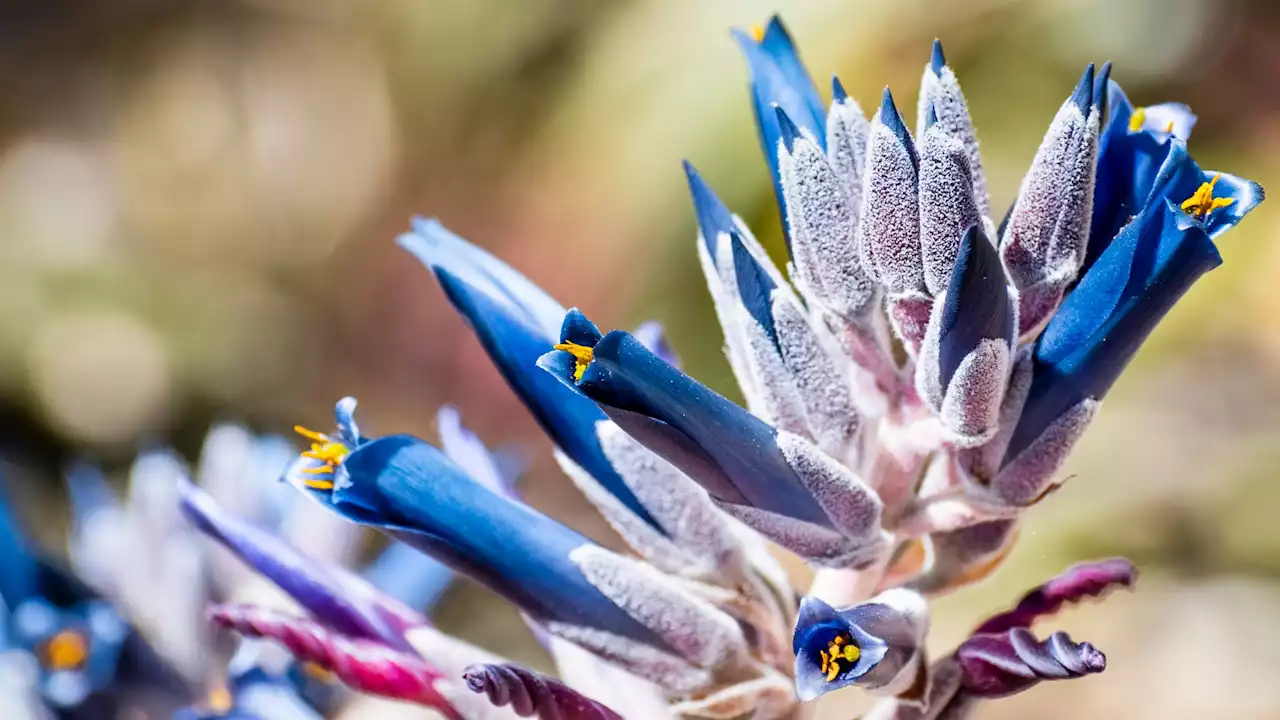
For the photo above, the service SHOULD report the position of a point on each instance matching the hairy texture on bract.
(764, 698)
(971, 407)
(854, 508)
(888, 237)
(982, 463)
(942, 91)
(675, 675)
(1026, 478)
(725, 301)
(811, 542)
(822, 224)
(847, 132)
(692, 627)
(680, 505)
(947, 207)
(820, 376)
(1049, 228)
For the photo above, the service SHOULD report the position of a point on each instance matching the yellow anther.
(757, 33)
(840, 648)
(319, 672)
(311, 434)
(1169, 128)
(219, 700)
(582, 356)
(66, 650)
(318, 484)
(1136, 120)
(1202, 202)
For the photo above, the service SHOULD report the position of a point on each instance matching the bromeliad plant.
(913, 383)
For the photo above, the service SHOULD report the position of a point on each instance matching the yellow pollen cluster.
(1202, 202)
(582, 356)
(757, 33)
(841, 648)
(1139, 118)
(326, 450)
(66, 650)
(219, 700)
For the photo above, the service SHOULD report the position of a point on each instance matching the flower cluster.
(913, 382)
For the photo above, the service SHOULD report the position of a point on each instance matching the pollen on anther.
(1202, 202)
(582, 356)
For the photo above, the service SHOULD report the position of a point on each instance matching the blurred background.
(198, 202)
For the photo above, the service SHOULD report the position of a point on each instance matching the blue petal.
(515, 345)
(977, 303)
(713, 217)
(469, 453)
(1083, 94)
(817, 627)
(425, 500)
(1106, 318)
(778, 78)
(937, 60)
(755, 289)
(577, 329)
(440, 249)
(892, 119)
(19, 571)
(726, 449)
(317, 588)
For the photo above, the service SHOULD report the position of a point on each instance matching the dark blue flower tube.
(413, 492)
(516, 323)
(1134, 282)
(727, 450)
(779, 79)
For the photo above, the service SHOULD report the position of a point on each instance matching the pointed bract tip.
(712, 215)
(786, 128)
(838, 93)
(938, 60)
(1100, 81)
(1083, 95)
(890, 118)
(930, 116)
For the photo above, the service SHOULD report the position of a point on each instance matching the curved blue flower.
(413, 492)
(90, 660)
(1133, 147)
(873, 645)
(1133, 283)
(516, 323)
(727, 450)
(779, 80)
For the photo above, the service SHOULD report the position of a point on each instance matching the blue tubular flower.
(876, 645)
(1134, 145)
(516, 323)
(1117, 304)
(778, 79)
(90, 661)
(774, 481)
(413, 492)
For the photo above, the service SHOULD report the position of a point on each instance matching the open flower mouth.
(1202, 202)
(840, 649)
(327, 450)
(582, 357)
(67, 650)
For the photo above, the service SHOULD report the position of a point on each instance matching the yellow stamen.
(219, 700)
(840, 649)
(1202, 202)
(325, 449)
(66, 650)
(319, 672)
(757, 33)
(1169, 128)
(1136, 120)
(311, 434)
(582, 356)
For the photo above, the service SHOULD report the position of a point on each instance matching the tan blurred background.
(198, 202)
